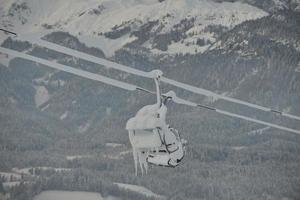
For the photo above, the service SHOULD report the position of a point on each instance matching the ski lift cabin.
(152, 140)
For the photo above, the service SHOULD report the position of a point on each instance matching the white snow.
(139, 189)
(8, 185)
(10, 176)
(27, 169)
(143, 135)
(114, 145)
(108, 46)
(178, 47)
(84, 127)
(74, 195)
(117, 156)
(78, 18)
(77, 157)
(122, 153)
(45, 107)
(146, 118)
(112, 157)
(238, 148)
(279, 4)
(41, 95)
(64, 115)
(258, 131)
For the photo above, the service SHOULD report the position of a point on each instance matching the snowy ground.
(64, 115)
(10, 176)
(108, 46)
(8, 185)
(114, 145)
(139, 189)
(41, 95)
(84, 127)
(237, 148)
(71, 195)
(27, 170)
(77, 157)
(258, 131)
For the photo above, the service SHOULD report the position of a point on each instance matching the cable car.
(153, 140)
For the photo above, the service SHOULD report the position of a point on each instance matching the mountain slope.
(188, 20)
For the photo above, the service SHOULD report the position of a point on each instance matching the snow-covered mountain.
(191, 25)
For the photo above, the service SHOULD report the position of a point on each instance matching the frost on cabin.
(152, 140)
